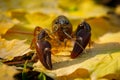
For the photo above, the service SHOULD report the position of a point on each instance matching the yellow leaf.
(107, 66)
(40, 19)
(4, 27)
(109, 37)
(87, 9)
(117, 10)
(5, 24)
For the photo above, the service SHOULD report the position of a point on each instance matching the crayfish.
(61, 30)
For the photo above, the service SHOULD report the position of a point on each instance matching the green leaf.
(24, 74)
(41, 76)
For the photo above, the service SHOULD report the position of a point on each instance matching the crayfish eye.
(56, 22)
(66, 22)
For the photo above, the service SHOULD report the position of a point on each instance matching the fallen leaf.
(7, 72)
(84, 9)
(40, 19)
(117, 10)
(110, 37)
(12, 48)
(5, 24)
(101, 26)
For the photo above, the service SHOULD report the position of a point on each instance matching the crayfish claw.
(43, 47)
(83, 35)
(44, 53)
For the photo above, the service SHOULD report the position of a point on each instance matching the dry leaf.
(7, 72)
(13, 48)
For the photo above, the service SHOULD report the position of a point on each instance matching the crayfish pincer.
(43, 47)
(83, 36)
(61, 30)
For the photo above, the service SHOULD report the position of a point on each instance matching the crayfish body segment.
(60, 26)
